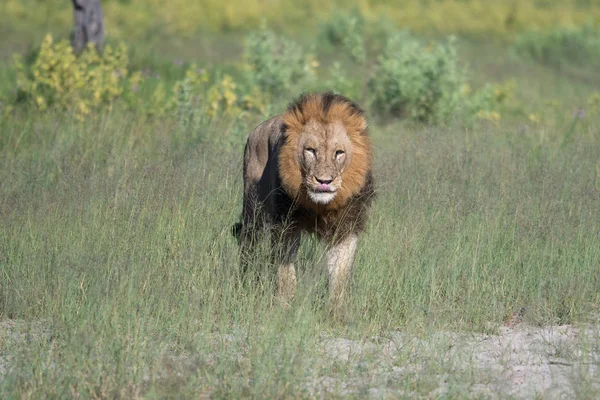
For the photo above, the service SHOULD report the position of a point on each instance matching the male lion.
(309, 170)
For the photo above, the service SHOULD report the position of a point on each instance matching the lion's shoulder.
(267, 132)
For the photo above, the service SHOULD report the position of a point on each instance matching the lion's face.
(324, 151)
(325, 157)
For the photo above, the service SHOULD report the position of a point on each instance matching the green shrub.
(276, 64)
(561, 46)
(426, 83)
(420, 82)
(346, 31)
(338, 81)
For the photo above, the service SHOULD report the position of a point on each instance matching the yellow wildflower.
(41, 103)
(493, 116)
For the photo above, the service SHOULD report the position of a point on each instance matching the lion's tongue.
(324, 188)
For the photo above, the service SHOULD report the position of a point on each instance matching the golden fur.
(311, 108)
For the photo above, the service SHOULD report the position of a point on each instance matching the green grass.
(119, 276)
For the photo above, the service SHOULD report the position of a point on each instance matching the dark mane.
(326, 101)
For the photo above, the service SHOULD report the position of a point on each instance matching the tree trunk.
(89, 24)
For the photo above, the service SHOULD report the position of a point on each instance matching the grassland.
(119, 277)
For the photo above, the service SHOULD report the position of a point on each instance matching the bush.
(416, 81)
(77, 84)
(346, 31)
(561, 46)
(276, 64)
(426, 83)
(55, 78)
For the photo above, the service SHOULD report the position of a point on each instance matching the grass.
(119, 276)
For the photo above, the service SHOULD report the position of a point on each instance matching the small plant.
(223, 98)
(485, 102)
(197, 98)
(276, 64)
(255, 101)
(561, 46)
(186, 94)
(60, 79)
(185, 110)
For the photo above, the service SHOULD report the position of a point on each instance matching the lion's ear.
(283, 129)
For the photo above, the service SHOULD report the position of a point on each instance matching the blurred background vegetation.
(138, 19)
(245, 56)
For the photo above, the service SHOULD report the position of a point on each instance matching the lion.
(308, 170)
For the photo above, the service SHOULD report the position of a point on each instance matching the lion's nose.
(324, 181)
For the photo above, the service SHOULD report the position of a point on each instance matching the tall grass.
(117, 259)
(119, 276)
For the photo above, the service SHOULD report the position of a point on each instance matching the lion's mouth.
(324, 188)
(322, 193)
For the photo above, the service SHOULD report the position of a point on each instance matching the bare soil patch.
(519, 362)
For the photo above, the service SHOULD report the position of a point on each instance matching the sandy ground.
(519, 362)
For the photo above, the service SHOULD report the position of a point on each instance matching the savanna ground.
(478, 276)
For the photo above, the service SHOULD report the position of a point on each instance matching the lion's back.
(259, 152)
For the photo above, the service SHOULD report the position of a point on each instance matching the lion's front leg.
(340, 257)
(286, 245)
